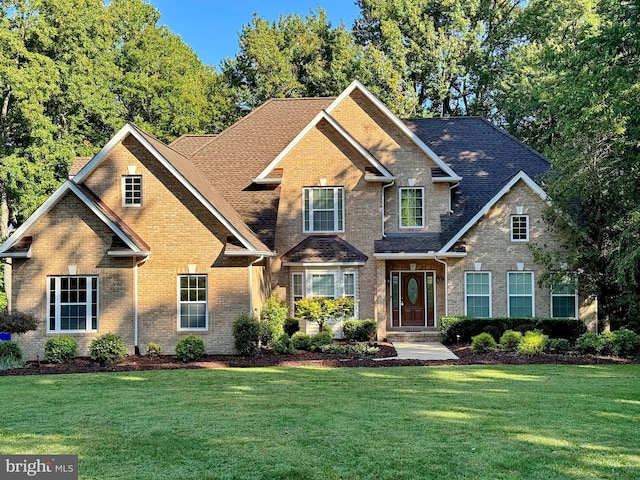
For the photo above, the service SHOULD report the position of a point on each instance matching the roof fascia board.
(323, 264)
(521, 175)
(323, 115)
(398, 123)
(246, 253)
(418, 256)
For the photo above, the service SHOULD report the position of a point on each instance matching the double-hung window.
(192, 302)
(519, 228)
(73, 304)
(564, 299)
(520, 294)
(477, 287)
(132, 191)
(324, 283)
(323, 209)
(411, 207)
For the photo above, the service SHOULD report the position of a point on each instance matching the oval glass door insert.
(412, 290)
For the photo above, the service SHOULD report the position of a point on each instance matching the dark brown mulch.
(268, 359)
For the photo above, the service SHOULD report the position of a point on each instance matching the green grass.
(477, 422)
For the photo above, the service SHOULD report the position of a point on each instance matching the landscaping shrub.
(360, 348)
(494, 331)
(533, 343)
(246, 334)
(627, 342)
(60, 349)
(108, 348)
(510, 340)
(291, 326)
(589, 343)
(190, 348)
(283, 345)
(467, 327)
(7, 363)
(10, 351)
(272, 317)
(153, 349)
(483, 343)
(608, 344)
(17, 322)
(359, 330)
(560, 346)
(325, 337)
(301, 341)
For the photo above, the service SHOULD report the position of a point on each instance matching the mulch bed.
(268, 359)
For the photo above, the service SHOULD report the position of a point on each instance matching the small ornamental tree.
(17, 322)
(322, 310)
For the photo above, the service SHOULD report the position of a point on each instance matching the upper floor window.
(519, 228)
(323, 209)
(192, 302)
(132, 191)
(73, 304)
(411, 207)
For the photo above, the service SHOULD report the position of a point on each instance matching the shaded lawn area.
(475, 422)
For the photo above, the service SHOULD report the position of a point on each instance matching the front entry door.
(412, 299)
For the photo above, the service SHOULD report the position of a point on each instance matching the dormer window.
(132, 191)
(323, 209)
(519, 228)
(412, 207)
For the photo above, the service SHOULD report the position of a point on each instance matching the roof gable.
(193, 180)
(323, 115)
(132, 242)
(450, 174)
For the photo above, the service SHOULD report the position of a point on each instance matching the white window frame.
(187, 302)
(339, 275)
(338, 209)
(54, 300)
(128, 192)
(400, 218)
(532, 295)
(467, 295)
(566, 295)
(513, 232)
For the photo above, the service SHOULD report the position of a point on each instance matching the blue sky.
(211, 27)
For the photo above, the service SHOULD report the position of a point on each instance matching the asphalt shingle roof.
(324, 249)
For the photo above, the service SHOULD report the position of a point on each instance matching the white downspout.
(135, 303)
(451, 187)
(260, 258)
(446, 285)
(384, 187)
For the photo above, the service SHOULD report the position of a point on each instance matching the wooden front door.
(412, 299)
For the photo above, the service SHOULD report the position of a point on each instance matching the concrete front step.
(418, 336)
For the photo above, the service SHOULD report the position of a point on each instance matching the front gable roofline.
(385, 175)
(520, 176)
(450, 175)
(235, 225)
(136, 248)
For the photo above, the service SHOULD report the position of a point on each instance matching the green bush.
(17, 322)
(494, 331)
(60, 349)
(108, 348)
(190, 348)
(483, 343)
(246, 334)
(560, 346)
(359, 330)
(360, 349)
(608, 344)
(627, 342)
(283, 345)
(10, 351)
(325, 337)
(272, 317)
(7, 363)
(510, 340)
(533, 343)
(153, 349)
(467, 327)
(301, 341)
(291, 326)
(589, 343)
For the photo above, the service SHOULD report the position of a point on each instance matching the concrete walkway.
(421, 351)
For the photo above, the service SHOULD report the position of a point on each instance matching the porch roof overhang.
(418, 255)
(325, 250)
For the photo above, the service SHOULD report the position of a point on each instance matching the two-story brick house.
(337, 196)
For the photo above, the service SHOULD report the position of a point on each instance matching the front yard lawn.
(462, 422)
